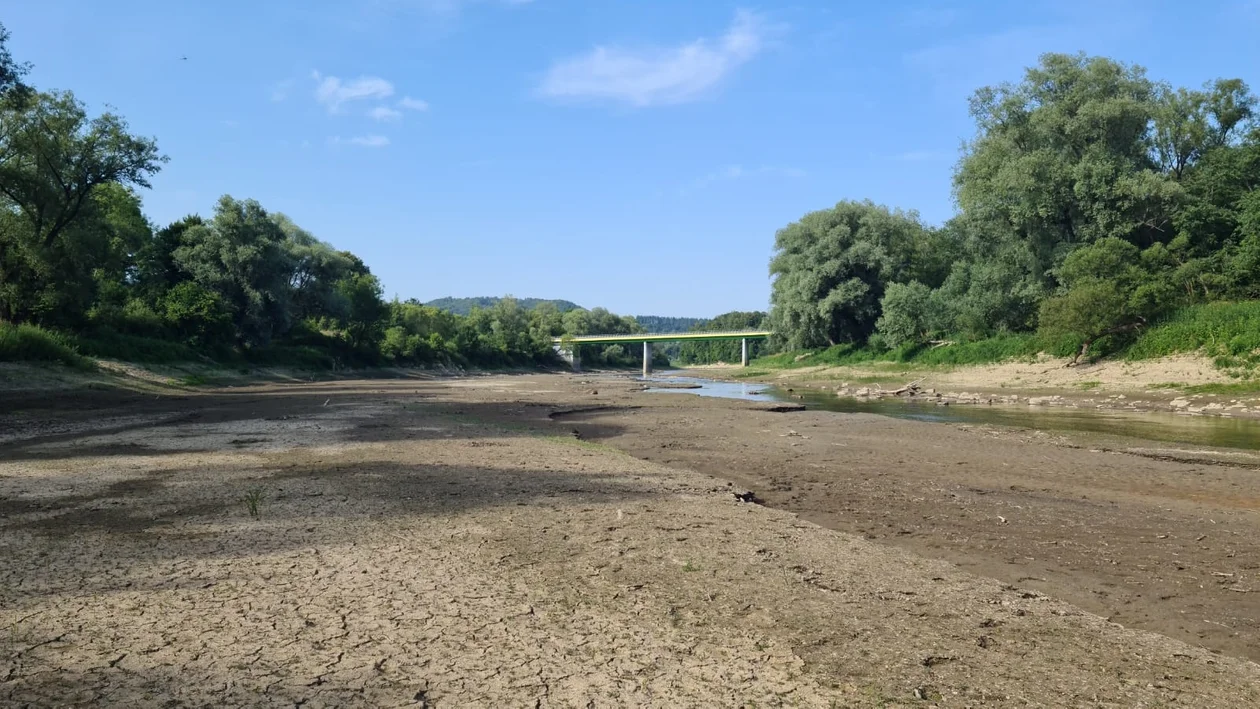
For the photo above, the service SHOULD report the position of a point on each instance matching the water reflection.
(1214, 431)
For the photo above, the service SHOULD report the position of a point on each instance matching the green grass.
(1226, 333)
(1251, 386)
(987, 351)
(1229, 333)
(253, 499)
(1089, 385)
(30, 343)
(110, 344)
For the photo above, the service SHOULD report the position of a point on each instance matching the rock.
(1180, 403)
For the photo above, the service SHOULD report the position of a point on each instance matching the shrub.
(30, 343)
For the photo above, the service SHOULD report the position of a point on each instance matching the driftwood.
(941, 343)
(911, 387)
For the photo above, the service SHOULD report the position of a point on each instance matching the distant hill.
(463, 306)
(658, 323)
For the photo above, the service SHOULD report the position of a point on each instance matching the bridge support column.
(647, 358)
(743, 352)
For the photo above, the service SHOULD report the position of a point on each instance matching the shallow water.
(1213, 431)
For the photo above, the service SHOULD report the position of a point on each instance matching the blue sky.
(637, 155)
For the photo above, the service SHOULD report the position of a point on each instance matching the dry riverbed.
(465, 542)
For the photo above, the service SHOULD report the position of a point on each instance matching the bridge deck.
(667, 337)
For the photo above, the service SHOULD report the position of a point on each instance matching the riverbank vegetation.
(83, 272)
(1100, 212)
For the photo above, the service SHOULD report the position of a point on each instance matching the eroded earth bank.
(557, 540)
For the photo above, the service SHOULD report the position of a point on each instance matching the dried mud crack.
(445, 544)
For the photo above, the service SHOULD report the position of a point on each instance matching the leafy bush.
(110, 344)
(1230, 331)
(30, 343)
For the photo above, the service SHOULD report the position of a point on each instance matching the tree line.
(78, 256)
(1092, 202)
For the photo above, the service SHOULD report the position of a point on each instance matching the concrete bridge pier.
(743, 352)
(572, 357)
(647, 358)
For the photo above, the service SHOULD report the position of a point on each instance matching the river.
(1216, 431)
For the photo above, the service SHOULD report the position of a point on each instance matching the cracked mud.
(444, 543)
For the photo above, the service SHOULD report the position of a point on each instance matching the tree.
(831, 269)
(364, 309)
(12, 90)
(240, 255)
(1108, 290)
(710, 351)
(911, 314)
(1064, 158)
(317, 270)
(52, 158)
(61, 174)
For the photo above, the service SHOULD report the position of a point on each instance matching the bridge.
(647, 339)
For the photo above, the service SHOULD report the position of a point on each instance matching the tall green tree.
(830, 270)
(57, 166)
(240, 254)
(1064, 158)
(12, 90)
(708, 352)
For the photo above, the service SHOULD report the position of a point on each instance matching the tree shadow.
(241, 420)
(179, 514)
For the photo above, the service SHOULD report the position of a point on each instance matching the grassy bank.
(1227, 333)
(994, 349)
(28, 343)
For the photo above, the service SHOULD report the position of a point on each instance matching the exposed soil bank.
(450, 543)
(1155, 385)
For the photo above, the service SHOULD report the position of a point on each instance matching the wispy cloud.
(415, 104)
(281, 90)
(922, 155)
(739, 172)
(333, 93)
(362, 141)
(438, 7)
(385, 113)
(659, 75)
(370, 141)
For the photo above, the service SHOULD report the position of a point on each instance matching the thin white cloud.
(370, 141)
(413, 104)
(385, 113)
(922, 155)
(739, 172)
(362, 141)
(281, 89)
(438, 7)
(655, 76)
(332, 92)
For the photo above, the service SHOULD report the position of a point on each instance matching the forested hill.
(463, 306)
(659, 323)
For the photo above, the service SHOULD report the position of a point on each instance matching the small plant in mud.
(253, 500)
(689, 567)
